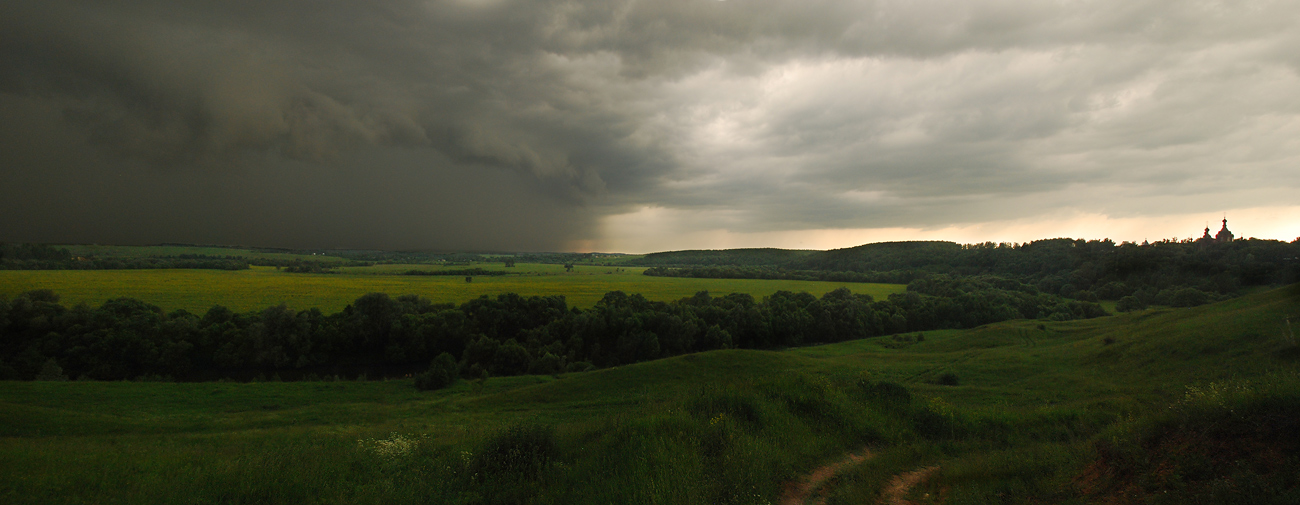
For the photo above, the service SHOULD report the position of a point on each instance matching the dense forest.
(779, 273)
(507, 335)
(1079, 269)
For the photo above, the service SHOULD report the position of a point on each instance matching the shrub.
(947, 379)
(1189, 297)
(51, 371)
(441, 373)
(1223, 443)
(1129, 303)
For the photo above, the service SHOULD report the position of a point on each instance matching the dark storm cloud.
(234, 94)
(520, 124)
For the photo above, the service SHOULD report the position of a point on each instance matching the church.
(1224, 236)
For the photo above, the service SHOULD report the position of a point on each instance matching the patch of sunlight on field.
(261, 287)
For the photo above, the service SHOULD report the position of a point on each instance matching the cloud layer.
(527, 125)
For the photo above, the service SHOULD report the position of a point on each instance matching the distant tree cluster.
(307, 267)
(507, 335)
(46, 257)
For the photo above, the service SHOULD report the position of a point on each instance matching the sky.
(639, 126)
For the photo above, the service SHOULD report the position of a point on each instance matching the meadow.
(1015, 412)
(154, 251)
(260, 287)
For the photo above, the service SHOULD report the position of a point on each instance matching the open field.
(521, 269)
(261, 287)
(1031, 403)
(122, 251)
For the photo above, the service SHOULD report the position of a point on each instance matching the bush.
(1189, 297)
(51, 371)
(1224, 443)
(1129, 303)
(441, 373)
(947, 379)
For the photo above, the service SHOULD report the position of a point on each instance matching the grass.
(298, 442)
(521, 269)
(261, 287)
(121, 251)
(1023, 425)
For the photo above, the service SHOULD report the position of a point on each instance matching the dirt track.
(896, 492)
(797, 493)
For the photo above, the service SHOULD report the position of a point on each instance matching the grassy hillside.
(261, 287)
(1016, 412)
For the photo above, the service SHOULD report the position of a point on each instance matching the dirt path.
(896, 492)
(797, 493)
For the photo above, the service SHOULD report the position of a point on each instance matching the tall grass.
(723, 443)
(1227, 442)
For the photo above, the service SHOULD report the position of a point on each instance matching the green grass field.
(1021, 426)
(122, 251)
(261, 287)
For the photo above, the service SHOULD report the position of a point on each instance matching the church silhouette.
(1224, 236)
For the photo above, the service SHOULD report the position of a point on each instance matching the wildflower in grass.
(394, 447)
(1215, 394)
(717, 419)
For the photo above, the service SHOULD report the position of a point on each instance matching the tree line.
(781, 273)
(1080, 269)
(47, 257)
(378, 335)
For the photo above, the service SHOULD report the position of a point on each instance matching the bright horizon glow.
(657, 229)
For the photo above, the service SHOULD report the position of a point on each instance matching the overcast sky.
(636, 126)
